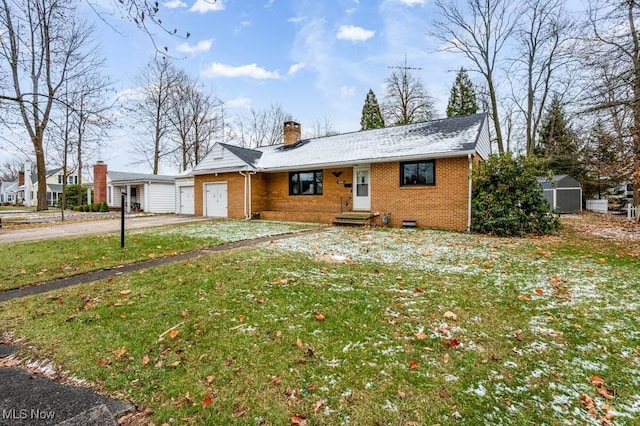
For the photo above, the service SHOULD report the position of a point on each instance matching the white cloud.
(347, 91)
(295, 19)
(353, 33)
(269, 3)
(411, 2)
(241, 102)
(174, 4)
(200, 47)
(293, 69)
(204, 6)
(251, 71)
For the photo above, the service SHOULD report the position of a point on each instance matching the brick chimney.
(20, 178)
(292, 132)
(99, 182)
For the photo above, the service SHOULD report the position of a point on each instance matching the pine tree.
(558, 143)
(371, 115)
(462, 100)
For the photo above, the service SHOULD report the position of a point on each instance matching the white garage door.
(186, 200)
(215, 195)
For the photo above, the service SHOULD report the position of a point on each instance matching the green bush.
(507, 198)
(104, 207)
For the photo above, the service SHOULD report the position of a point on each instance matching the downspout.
(470, 192)
(244, 205)
(250, 195)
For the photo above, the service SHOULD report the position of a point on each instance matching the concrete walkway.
(92, 226)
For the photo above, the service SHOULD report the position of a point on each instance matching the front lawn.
(35, 262)
(355, 326)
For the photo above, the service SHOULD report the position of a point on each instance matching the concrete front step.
(354, 218)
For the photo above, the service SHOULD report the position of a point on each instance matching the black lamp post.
(123, 196)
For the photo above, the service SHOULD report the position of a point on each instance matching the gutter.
(470, 192)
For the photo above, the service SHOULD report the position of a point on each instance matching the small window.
(305, 183)
(60, 179)
(418, 173)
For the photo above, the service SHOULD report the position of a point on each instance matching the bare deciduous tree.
(261, 127)
(194, 121)
(406, 100)
(543, 54)
(479, 30)
(9, 169)
(157, 83)
(42, 47)
(615, 49)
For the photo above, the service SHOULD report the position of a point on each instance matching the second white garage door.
(186, 200)
(215, 196)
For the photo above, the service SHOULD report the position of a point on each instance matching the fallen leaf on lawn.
(210, 379)
(402, 394)
(451, 343)
(539, 291)
(299, 344)
(588, 403)
(241, 317)
(298, 420)
(604, 392)
(120, 354)
(524, 297)
(413, 364)
(206, 401)
(125, 292)
(276, 381)
(597, 381)
(23, 271)
(174, 364)
(427, 252)
(320, 317)
(450, 315)
(145, 360)
(281, 281)
(260, 300)
(123, 315)
(187, 398)
(184, 313)
(603, 260)
(420, 336)
(173, 334)
(152, 255)
(445, 358)
(318, 405)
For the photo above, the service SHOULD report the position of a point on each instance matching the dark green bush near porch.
(507, 199)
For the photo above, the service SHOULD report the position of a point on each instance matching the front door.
(216, 199)
(362, 188)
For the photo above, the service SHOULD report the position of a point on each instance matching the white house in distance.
(143, 192)
(28, 186)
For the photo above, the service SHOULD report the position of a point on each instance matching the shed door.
(362, 188)
(186, 200)
(215, 197)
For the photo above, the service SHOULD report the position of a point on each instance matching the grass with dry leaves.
(357, 326)
(29, 263)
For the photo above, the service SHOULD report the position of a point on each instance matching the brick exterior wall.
(99, 182)
(443, 206)
(235, 193)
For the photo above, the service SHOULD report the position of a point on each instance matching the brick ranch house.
(417, 174)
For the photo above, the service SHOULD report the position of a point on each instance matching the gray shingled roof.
(447, 137)
(249, 156)
(123, 177)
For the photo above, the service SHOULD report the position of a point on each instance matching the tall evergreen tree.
(462, 100)
(371, 115)
(558, 143)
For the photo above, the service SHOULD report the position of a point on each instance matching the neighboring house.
(563, 193)
(29, 186)
(8, 192)
(417, 174)
(142, 192)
